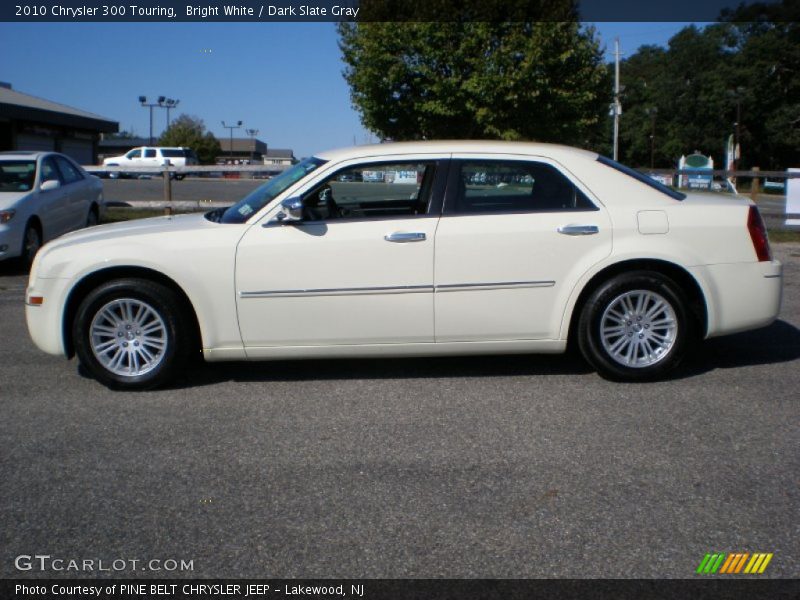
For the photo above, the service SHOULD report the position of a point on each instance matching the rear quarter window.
(641, 178)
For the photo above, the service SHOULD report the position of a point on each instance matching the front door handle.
(402, 237)
(579, 229)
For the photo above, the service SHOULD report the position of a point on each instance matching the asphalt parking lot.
(494, 467)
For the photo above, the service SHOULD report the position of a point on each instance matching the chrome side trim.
(403, 289)
(501, 285)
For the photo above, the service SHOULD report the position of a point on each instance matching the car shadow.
(13, 267)
(780, 342)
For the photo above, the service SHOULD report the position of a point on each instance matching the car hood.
(117, 231)
(10, 199)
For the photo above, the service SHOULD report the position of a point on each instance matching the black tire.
(635, 346)
(31, 243)
(173, 329)
(179, 177)
(92, 218)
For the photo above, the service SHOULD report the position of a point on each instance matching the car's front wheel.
(635, 327)
(31, 243)
(131, 334)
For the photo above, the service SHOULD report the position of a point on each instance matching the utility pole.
(617, 107)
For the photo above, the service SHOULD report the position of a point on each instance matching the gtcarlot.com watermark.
(46, 562)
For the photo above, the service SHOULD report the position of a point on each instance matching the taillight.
(758, 233)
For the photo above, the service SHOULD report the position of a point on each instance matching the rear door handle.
(402, 237)
(579, 229)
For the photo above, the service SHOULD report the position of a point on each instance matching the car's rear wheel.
(31, 243)
(635, 327)
(131, 334)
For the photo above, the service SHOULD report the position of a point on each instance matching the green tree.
(540, 81)
(744, 69)
(191, 132)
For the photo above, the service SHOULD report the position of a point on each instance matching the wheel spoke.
(638, 328)
(128, 337)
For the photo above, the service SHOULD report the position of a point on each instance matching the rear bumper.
(740, 296)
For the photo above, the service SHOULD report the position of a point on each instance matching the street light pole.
(737, 95)
(617, 106)
(150, 105)
(169, 105)
(252, 133)
(231, 127)
(652, 112)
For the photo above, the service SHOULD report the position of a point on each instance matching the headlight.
(6, 216)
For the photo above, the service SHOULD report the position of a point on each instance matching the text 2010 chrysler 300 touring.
(414, 249)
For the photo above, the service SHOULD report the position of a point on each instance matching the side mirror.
(50, 184)
(291, 210)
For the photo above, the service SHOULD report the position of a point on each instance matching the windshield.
(259, 197)
(17, 175)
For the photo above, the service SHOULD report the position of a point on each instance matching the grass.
(783, 235)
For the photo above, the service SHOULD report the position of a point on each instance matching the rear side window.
(150, 153)
(642, 178)
(497, 186)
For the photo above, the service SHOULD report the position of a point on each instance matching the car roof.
(22, 154)
(456, 146)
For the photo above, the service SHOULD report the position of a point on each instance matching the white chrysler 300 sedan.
(414, 249)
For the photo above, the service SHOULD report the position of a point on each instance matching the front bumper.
(45, 321)
(10, 241)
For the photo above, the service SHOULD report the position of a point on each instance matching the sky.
(283, 79)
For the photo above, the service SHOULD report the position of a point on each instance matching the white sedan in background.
(43, 195)
(458, 248)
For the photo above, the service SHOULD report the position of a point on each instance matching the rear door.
(515, 236)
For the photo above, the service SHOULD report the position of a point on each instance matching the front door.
(358, 269)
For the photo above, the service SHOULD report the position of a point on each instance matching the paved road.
(469, 467)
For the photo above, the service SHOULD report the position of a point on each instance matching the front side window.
(496, 186)
(49, 170)
(372, 191)
(134, 154)
(68, 172)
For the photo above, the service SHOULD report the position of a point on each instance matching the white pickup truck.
(151, 156)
